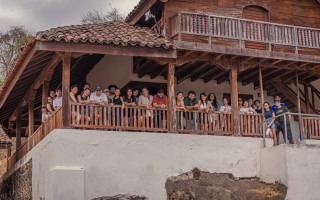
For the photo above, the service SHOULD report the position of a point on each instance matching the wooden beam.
(203, 73)
(18, 74)
(213, 75)
(235, 114)
(228, 50)
(156, 73)
(45, 93)
(139, 14)
(172, 114)
(107, 49)
(45, 75)
(306, 97)
(223, 77)
(18, 132)
(261, 88)
(66, 62)
(31, 117)
(298, 102)
(191, 71)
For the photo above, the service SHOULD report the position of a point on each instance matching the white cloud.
(38, 15)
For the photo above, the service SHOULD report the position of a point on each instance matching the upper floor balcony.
(190, 28)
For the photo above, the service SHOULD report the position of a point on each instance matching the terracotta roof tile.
(5, 141)
(110, 33)
(135, 10)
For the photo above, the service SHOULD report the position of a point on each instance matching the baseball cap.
(98, 88)
(160, 91)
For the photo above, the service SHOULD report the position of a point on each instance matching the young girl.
(213, 100)
(50, 108)
(117, 100)
(269, 117)
(204, 104)
(84, 98)
(145, 101)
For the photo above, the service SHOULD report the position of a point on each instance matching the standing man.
(283, 124)
(190, 104)
(160, 101)
(57, 102)
(98, 98)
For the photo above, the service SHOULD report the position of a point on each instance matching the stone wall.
(18, 186)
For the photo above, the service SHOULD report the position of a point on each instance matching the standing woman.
(269, 117)
(84, 98)
(205, 106)
(117, 100)
(74, 112)
(180, 109)
(213, 100)
(145, 101)
(129, 101)
(50, 108)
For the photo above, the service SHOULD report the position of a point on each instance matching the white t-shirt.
(223, 107)
(99, 99)
(57, 102)
(145, 100)
(249, 109)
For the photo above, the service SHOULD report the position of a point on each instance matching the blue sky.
(37, 15)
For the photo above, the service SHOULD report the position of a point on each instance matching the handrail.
(211, 25)
(54, 121)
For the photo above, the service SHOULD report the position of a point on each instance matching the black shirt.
(117, 101)
(258, 110)
(130, 100)
(281, 110)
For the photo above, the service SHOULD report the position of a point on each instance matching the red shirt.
(160, 101)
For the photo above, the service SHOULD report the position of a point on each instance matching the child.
(45, 114)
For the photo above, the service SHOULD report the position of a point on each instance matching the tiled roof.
(136, 9)
(110, 33)
(5, 141)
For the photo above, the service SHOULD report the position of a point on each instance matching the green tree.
(11, 44)
(95, 16)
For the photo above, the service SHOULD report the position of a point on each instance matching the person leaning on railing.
(129, 101)
(225, 108)
(269, 117)
(84, 98)
(145, 101)
(191, 104)
(246, 109)
(98, 98)
(160, 101)
(72, 95)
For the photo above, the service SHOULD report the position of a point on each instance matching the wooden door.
(260, 14)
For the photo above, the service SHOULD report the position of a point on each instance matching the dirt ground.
(198, 185)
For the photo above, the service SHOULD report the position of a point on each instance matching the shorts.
(272, 125)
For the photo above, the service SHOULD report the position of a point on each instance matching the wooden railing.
(158, 28)
(243, 30)
(118, 117)
(310, 127)
(54, 121)
(201, 122)
(251, 125)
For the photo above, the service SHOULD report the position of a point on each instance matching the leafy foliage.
(95, 16)
(11, 44)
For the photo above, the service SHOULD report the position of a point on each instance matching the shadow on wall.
(198, 185)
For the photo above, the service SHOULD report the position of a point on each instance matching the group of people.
(133, 97)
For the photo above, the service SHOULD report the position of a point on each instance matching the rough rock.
(199, 185)
(122, 197)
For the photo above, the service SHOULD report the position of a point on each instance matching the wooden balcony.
(238, 32)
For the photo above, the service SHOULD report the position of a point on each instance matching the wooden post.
(65, 89)
(234, 102)
(306, 96)
(31, 117)
(18, 132)
(45, 92)
(172, 114)
(299, 106)
(261, 88)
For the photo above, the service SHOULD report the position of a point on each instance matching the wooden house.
(269, 45)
